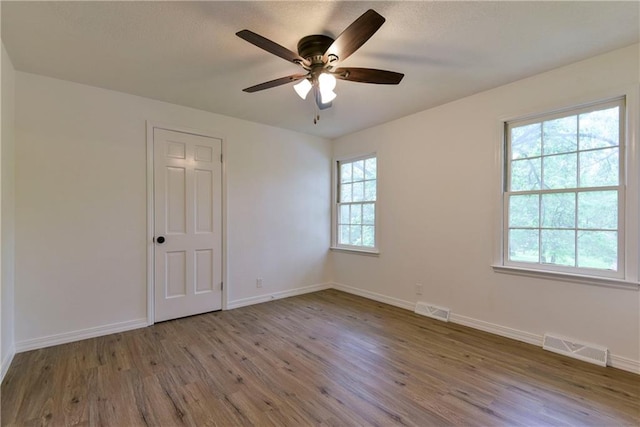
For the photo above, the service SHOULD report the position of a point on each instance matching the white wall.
(81, 207)
(7, 203)
(437, 192)
(80, 210)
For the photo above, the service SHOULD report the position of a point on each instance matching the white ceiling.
(187, 53)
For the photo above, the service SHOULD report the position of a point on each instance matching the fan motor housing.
(314, 46)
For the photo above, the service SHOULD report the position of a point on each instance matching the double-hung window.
(355, 208)
(564, 193)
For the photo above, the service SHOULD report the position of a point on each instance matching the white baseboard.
(81, 334)
(243, 302)
(6, 362)
(624, 363)
(492, 328)
(407, 305)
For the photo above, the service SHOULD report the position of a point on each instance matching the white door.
(188, 224)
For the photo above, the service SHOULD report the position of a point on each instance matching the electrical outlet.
(259, 282)
(418, 288)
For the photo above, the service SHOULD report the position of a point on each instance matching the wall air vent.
(578, 350)
(433, 311)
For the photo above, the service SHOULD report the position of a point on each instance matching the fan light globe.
(303, 88)
(327, 83)
(327, 96)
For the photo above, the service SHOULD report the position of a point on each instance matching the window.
(564, 191)
(355, 214)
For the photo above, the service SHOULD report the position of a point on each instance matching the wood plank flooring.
(321, 359)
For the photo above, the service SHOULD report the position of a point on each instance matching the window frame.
(335, 211)
(619, 273)
(629, 182)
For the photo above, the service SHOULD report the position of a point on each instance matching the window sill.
(366, 252)
(566, 277)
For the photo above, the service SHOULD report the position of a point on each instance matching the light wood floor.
(328, 359)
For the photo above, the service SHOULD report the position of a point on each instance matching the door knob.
(160, 239)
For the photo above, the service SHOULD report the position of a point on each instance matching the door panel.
(176, 274)
(176, 204)
(203, 202)
(188, 214)
(204, 270)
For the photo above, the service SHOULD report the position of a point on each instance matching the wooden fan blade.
(368, 75)
(355, 35)
(274, 83)
(269, 46)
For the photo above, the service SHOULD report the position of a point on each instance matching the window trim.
(335, 194)
(610, 282)
(627, 275)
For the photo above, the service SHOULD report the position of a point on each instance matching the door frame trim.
(151, 125)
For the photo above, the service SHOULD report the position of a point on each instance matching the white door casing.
(187, 204)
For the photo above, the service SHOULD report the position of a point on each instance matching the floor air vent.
(432, 311)
(577, 350)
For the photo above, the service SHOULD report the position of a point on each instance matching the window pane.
(355, 237)
(560, 171)
(344, 214)
(370, 168)
(524, 211)
(523, 245)
(525, 175)
(599, 168)
(549, 217)
(525, 141)
(600, 129)
(560, 135)
(358, 170)
(598, 209)
(370, 191)
(356, 214)
(368, 236)
(369, 213)
(559, 210)
(357, 194)
(343, 234)
(356, 218)
(345, 193)
(558, 247)
(598, 249)
(345, 172)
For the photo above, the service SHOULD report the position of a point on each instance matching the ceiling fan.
(318, 55)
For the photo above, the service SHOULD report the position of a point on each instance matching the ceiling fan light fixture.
(319, 54)
(303, 88)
